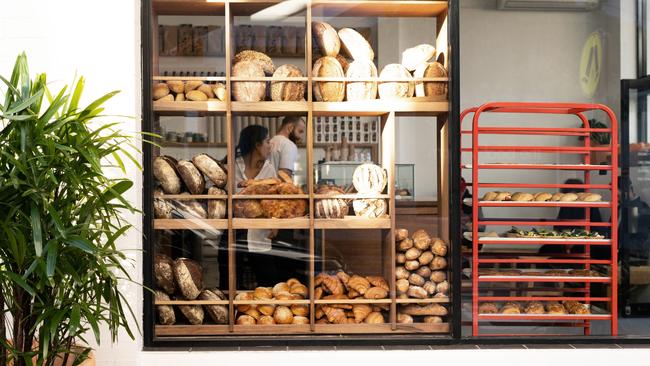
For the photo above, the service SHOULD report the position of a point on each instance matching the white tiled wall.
(101, 40)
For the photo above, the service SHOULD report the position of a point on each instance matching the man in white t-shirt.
(284, 151)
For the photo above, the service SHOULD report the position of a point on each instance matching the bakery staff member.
(284, 151)
(252, 162)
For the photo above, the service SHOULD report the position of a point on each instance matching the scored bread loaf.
(166, 314)
(415, 56)
(259, 58)
(361, 90)
(189, 277)
(164, 170)
(331, 208)
(370, 208)
(162, 209)
(211, 168)
(191, 176)
(355, 45)
(369, 178)
(430, 88)
(326, 38)
(328, 91)
(282, 91)
(395, 89)
(164, 273)
(218, 313)
(216, 207)
(248, 91)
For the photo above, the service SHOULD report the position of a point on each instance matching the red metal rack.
(583, 260)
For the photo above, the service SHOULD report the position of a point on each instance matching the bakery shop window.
(299, 186)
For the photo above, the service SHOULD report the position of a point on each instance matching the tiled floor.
(426, 347)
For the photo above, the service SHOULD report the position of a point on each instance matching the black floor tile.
(311, 348)
(359, 348)
(592, 345)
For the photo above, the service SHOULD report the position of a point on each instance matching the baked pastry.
(429, 309)
(490, 196)
(344, 62)
(439, 247)
(583, 273)
(334, 208)
(416, 279)
(374, 318)
(189, 277)
(166, 314)
(164, 170)
(401, 234)
(189, 208)
(287, 90)
(421, 240)
(395, 89)
(430, 287)
(300, 320)
(359, 284)
(503, 196)
(534, 307)
(196, 96)
(401, 273)
(432, 319)
(405, 244)
(212, 169)
(259, 58)
(438, 263)
(164, 273)
(361, 312)
(438, 276)
(430, 88)
(219, 91)
(542, 196)
(378, 281)
(333, 285)
(415, 56)
(510, 309)
(569, 197)
(216, 208)
(442, 287)
(591, 197)
(326, 38)
(370, 208)
(218, 313)
(343, 277)
(424, 271)
(160, 90)
(412, 265)
(369, 178)
(488, 308)
(404, 318)
(555, 272)
(192, 85)
(283, 315)
(193, 313)
(355, 45)
(417, 292)
(328, 91)
(555, 308)
(262, 293)
(556, 197)
(402, 285)
(207, 90)
(266, 320)
(334, 315)
(299, 309)
(248, 91)
(361, 90)
(412, 254)
(246, 320)
(426, 258)
(299, 289)
(248, 208)
(522, 196)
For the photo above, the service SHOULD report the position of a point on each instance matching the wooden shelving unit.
(387, 110)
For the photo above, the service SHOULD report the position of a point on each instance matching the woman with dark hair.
(251, 155)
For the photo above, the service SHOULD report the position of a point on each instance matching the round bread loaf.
(191, 176)
(190, 208)
(430, 88)
(331, 208)
(164, 170)
(415, 56)
(193, 313)
(248, 91)
(287, 90)
(177, 86)
(355, 45)
(328, 91)
(216, 208)
(395, 89)
(370, 208)
(250, 209)
(361, 90)
(163, 268)
(260, 58)
(211, 168)
(326, 38)
(166, 314)
(369, 178)
(160, 90)
(189, 277)
(218, 313)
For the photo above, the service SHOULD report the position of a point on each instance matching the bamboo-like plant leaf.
(37, 233)
(24, 104)
(19, 281)
(52, 253)
(76, 94)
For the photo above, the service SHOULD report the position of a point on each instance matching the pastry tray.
(468, 202)
(525, 278)
(512, 240)
(596, 314)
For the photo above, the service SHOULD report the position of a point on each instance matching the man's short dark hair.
(290, 120)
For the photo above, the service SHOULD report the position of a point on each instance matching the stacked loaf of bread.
(331, 208)
(341, 286)
(400, 78)
(202, 174)
(370, 179)
(270, 208)
(191, 90)
(421, 270)
(182, 279)
(275, 312)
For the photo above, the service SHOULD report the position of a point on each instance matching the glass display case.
(340, 174)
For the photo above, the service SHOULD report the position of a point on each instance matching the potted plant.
(599, 139)
(60, 218)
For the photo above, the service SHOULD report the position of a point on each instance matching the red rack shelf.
(510, 258)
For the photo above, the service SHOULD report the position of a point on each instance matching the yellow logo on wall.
(591, 64)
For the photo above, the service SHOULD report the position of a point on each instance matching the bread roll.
(207, 90)
(361, 90)
(489, 196)
(266, 320)
(424, 271)
(413, 254)
(196, 96)
(219, 91)
(211, 168)
(569, 197)
(416, 279)
(259, 58)
(522, 196)
(418, 55)
(429, 309)
(282, 91)
(443, 287)
(430, 287)
(592, 197)
(402, 273)
(402, 286)
(412, 265)
(355, 45)
(395, 89)
(166, 314)
(164, 273)
(430, 88)
(248, 91)
(417, 292)
(438, 276)
(189, 277)
(160, 90)
(192, 85)
(328, 91)
(439, 248)
(426, 258)
(180, 97)
(177, 86)
(300, 320)
(401, 234)
(164, 170)
(166, 98)
(404, 318)
(438, 263)
(542, 197)
(191, 176)
(246, 320)
(326, 38)
(503, 196)
(405, 244)
(374, 318)
(488, 308)
(432, 319)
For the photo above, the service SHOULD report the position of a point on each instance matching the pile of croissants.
(535, 307)
(269, 314)
(421, 265)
